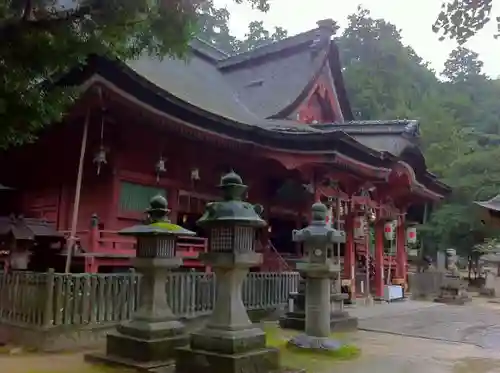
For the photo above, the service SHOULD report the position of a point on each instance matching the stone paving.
(472, 324)
(435, 339)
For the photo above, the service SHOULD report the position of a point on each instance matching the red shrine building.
(278, 115)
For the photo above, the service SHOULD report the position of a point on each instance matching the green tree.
(461, 19)
(40, 39)
(257, 36)
(463, 64)
(384, 78)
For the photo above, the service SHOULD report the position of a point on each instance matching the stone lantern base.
(340, 320)
(143, 346)
(296, 319)
(453, 291)
(224, 351)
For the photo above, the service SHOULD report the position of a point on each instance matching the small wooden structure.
(490, 211)
(27, 243)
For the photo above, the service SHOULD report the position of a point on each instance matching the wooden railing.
(54, 299)
(100, 241)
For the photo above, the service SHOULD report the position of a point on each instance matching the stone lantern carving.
(318, 270)
(149, 340)
(229, 342)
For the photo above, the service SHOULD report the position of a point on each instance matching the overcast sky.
(413, 17)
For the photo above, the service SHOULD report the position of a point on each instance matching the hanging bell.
(160, 168)
(100, 158)
(195, 174)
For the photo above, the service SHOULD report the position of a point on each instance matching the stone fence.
(425, 284)
(49, 309)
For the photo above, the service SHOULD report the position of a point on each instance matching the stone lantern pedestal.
(315, 297)
(453, 290)
(318, 270)
(229, 343)
(148, 341)
(296, 319)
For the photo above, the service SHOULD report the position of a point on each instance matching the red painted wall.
(44, 176)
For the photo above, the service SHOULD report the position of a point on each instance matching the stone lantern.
(229, 342)
(149, 340)
(318, 269)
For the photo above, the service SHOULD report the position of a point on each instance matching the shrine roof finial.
(328, 24)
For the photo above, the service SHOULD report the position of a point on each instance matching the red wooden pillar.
(349, 259)
(173, 203)
(379, 258)
(401, 250)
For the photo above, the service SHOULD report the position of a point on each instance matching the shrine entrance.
(280, 233)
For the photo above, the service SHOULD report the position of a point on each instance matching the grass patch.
(308, 360)
(86, 368)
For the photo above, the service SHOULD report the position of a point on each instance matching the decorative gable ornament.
(389, 230)
(411, 235)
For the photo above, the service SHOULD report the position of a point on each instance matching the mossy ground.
(316, 362)
(70, 362)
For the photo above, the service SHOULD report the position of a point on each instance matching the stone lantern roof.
(157, 222)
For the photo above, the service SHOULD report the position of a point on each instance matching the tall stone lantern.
(318, 269)
(149, 340)
(229, 342)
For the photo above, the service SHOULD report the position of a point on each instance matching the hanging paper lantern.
(411, 235)
(389, 229)
(359, 227)
(329, 217)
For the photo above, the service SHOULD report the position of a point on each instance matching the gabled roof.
(267, 82)
(250, 96)
(27, 228)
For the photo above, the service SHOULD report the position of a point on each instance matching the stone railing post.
(149, 340)
(48, 312)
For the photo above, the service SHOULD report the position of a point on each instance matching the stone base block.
(263, 360)
(167, 366)
(339, 322)
(293, 321)
(228, 342)
(144, 350)
(342, 322)
(454, 301)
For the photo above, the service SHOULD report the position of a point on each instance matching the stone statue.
(453, 290)
(451, 262)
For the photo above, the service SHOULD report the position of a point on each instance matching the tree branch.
(14, 26)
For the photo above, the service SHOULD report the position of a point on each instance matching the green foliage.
(461, 19)
(40, 40)
(459, 119)
(214, 29)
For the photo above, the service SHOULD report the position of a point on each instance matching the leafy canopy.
(459, 119)
(461, 19)
(42, 39)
